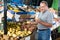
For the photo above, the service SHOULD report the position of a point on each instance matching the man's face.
(43, 7)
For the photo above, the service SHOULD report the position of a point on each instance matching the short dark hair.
(45, 2)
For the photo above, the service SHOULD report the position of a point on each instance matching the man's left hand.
(37, 20)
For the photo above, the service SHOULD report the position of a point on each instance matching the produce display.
(19, 29)
(23, 28)
(15, 9)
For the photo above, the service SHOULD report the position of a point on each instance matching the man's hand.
(37, 20)
(31, 23)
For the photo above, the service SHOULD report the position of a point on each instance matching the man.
(44, 21)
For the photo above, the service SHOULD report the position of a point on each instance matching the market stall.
(18, 21)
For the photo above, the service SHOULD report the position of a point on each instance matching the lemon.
(10, 8)
(29, 32)
(16, 10)
(14, 35)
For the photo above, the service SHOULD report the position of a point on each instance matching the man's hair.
(45, 2)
